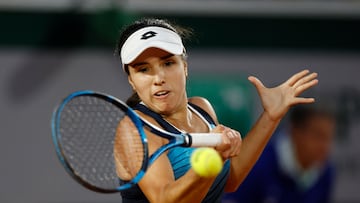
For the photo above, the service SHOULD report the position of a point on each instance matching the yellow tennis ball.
(206, 162)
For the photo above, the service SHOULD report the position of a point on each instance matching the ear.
(131, 83)
(185, 68)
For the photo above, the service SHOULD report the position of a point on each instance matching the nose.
(159, 77)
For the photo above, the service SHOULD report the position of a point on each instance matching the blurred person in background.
(295, 166)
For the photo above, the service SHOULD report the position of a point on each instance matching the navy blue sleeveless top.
(180, 161)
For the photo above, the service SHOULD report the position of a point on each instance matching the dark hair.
(184, 33)
(300, 114)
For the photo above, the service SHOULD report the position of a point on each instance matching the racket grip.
(205, 139)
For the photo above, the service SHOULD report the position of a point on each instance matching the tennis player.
(154, 58)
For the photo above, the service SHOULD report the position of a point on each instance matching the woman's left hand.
(231, 142)
(277, 101)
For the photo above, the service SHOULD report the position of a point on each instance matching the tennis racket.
(97, 151)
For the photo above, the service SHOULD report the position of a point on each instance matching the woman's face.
(159, 78)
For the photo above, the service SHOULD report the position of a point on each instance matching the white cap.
(147, 37)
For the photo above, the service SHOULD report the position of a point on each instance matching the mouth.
(161, 94)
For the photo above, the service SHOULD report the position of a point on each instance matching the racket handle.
(205, 139)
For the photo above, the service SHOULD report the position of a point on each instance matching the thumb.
(256, 82)
(218, 129)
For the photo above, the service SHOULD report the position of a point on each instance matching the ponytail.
(133, 100)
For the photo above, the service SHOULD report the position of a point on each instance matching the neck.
(181, 119)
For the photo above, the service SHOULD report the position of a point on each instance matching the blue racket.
(98, 153)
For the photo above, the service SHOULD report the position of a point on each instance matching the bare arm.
(276, 102)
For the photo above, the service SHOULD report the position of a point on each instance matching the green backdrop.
(232, 96)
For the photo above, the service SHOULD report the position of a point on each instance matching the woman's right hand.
(276, 101)
(231, 142)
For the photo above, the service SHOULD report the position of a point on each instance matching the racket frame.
(56, 136)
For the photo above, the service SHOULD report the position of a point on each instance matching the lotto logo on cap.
(148, 37)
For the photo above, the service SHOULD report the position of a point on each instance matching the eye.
(142, 69)
(169, 63)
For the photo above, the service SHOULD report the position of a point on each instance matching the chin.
(164, 108)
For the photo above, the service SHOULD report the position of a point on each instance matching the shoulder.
(152, 138)
(205, 105)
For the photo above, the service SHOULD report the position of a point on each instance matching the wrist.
(271, 119)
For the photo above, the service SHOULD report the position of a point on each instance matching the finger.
(238, 136)
(293, 79)
(226, 149)
(238, 150)
(305, 79)
(256, 82)
(225, 145)
(226, 155)
(218, 129)
(301, 100)
(237, 144)
(306, 86)
(231, 134)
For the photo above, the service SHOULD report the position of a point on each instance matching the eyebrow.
(144, 63)
(138, 64)
(167, 56)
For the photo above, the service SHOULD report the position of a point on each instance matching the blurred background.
(51, 48)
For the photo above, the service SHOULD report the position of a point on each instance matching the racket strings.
(87, 127)
(128, 150)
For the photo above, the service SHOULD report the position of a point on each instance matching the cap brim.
(172, 48)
